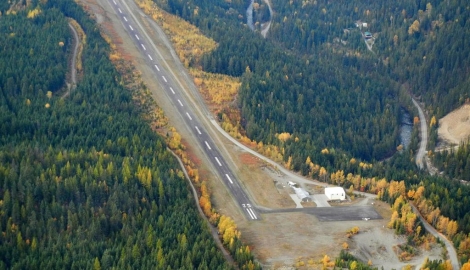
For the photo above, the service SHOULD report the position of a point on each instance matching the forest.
(88, 167)
(315, 98)
(455, 163)
(313, 77)
(331, 106)
(84, 181)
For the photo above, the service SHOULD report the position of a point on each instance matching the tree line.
(85, 182)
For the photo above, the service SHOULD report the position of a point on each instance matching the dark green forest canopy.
(85, 181)
(314, 77)
(326, 100)
(340, 95)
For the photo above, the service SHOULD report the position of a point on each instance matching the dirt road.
(424, 135)
(279, 239)
(73, 68)
(449, 246)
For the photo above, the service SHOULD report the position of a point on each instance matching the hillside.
(326, 100)
(84, 181)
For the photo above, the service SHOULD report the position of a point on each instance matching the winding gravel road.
(419, 162)
(73, 69)
(449, 246)
(424, 136)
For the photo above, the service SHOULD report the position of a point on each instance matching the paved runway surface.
(337, 213)
(166, 79)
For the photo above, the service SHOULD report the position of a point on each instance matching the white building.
(335, 193)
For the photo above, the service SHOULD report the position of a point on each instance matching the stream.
(405, 129)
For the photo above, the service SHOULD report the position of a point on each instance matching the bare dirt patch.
(278, 240)
(262, 183)
(454, 128)
(381, 247)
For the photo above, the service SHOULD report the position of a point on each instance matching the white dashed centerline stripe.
(114, 2)
(189, 116)
(208, 146)
(229, 179)
(198, 131)
(130, 26)
(164, 78)
(172, 90)
(251, 210)
(120, 11)
(216, 159)
(143, 47)
(248, 210)
(179, 101)
(157, 67)
(137, 37)
(125, 18)
(150, 57)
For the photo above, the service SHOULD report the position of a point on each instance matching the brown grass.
(189, 42)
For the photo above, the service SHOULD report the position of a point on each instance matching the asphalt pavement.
(175, 93)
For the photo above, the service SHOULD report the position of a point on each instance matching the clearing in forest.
(454, 128)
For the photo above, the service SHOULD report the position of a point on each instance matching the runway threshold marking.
(220, 164)
(248, 210)
(208, 146)
(229, 179)
(198, 131)
(251, 210)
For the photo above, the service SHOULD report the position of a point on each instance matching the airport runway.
(175, 94)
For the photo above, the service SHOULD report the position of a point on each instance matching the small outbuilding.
(335, 193)
(302, 194)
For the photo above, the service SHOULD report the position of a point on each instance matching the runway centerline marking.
(164, 78)
(208, 146)
(220, 164)
(229, 179)
(157, 68)
(130, 26)
(143, 47)
(125, 18)
(120, 11)
(179, 101)
(137, 37)
(172, 90)
(198, 131)
(189, 116)
(150, 57)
